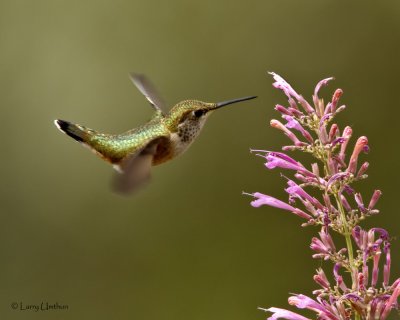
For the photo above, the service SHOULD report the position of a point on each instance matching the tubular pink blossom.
(283, 110)
(332, 165)
(361, 143)
(315, 169)
(322, 83)
(327, 239)
(345, 203)
(386, 267)
(296, 112)
(281, 155)
(362, 280)
(323, 247)
(279, 313)
(294, 188)
(374, 199)
(294, 124)
(281, 84)
(347, 133)
(318, 246)
(323, 135)
(300, 177)
(303, 302)
(276, 159)
(327, 201)
(333, 132)
(340, 109)
(335, 99)
(360, 202)
(340, 176)
(363, 169)
(306, 106)
(274, 162)
(392, 301)
(336, 141)
(321, 279)
(383, 234)
(279, 125)
(375, 270)
(263, 199)
(358, 235)
(338, 277)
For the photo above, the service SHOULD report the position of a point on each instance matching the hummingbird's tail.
(85, 136)
(79, 133)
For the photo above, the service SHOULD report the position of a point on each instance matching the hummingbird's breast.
(184, 137)
(179, 140)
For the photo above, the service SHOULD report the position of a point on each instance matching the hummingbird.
(165, 136)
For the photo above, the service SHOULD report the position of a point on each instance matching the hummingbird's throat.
(187, 132)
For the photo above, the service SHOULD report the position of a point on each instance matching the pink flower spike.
(279, 313)
(263, 199)
(361, 143)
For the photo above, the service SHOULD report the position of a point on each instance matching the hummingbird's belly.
(179, 145)
(168, 149)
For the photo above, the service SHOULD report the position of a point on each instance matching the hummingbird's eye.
(199, 113)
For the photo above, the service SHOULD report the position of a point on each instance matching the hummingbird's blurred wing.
(134, 170)
(148, 90)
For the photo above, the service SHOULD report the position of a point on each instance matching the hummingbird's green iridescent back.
(117, 147)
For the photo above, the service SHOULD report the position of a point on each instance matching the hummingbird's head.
(193, 113)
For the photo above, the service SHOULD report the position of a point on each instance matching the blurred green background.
(189, 246)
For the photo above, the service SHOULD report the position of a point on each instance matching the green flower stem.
(346, 230)
(347, 235)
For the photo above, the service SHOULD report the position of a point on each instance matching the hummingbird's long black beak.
(225, 103)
